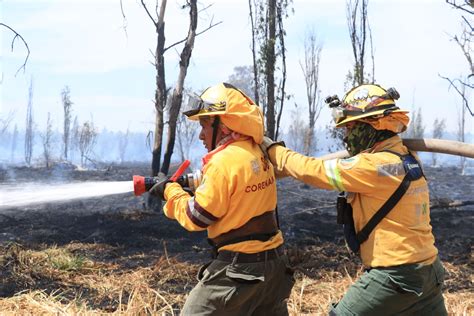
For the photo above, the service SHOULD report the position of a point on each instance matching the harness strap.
(364, 233)
(215, 128)
(384, 210)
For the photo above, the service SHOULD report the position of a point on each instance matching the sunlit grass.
(66, 281)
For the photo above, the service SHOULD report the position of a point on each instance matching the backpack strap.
(413, 172)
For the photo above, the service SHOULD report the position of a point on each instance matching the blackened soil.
(133, 235)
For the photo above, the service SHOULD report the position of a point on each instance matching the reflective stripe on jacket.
(237, 185)
(404, 235)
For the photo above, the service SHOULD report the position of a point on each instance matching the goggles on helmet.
(342, 110)
(197, 105)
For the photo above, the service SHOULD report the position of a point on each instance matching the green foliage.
(243, 79)
(61, 259)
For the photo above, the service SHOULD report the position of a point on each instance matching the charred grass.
(110, 256)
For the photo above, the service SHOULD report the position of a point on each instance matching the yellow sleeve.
(214, 192)
(355, 174)
(209, 203)
(177, 205)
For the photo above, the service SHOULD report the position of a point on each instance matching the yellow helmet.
(235, 109)
(365, 101)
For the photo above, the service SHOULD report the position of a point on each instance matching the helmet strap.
(215, 129)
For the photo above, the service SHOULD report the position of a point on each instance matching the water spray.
(191, 181)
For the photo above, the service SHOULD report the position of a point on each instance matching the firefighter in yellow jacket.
(384, 206)
(235, 202)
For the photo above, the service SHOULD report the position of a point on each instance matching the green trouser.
(231, 288)
(412, 289)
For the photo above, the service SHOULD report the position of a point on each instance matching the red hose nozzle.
(143, 184)
(139, 185)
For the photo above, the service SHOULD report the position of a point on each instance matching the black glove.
(159, 188)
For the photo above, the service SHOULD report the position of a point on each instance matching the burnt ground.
(135, 236)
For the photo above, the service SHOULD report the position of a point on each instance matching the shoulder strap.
(384, 210)
(410, 175)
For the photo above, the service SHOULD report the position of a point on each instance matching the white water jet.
(22, 194)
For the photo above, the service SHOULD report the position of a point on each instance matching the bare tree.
(416, 129)
(29, 129)
(74, 141)
(462, 130)
(5, 122)
(47, 141)
(122, 144)
(87, 140)
(256, 74)
(297, 131)
(187, 132)
(14, 143)
(161, 92)
(359, 33)
(310, 68)
(177, 96)
(268, 39)
(67, 107)
(462, 84)
(18, 36)
(439, 126)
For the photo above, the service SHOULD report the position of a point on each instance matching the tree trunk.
(160, 93)
(256, 91)
(270, 67)
(177, 97)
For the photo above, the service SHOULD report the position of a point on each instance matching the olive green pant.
(412, 289)
(239, 289)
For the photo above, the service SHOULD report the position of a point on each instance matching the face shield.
(196, 105)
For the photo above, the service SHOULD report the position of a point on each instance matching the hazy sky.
(83, 44)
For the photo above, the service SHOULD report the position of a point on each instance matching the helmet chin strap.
(215, 128)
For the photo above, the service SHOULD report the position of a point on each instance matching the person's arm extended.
(349, 174)
(310, 170)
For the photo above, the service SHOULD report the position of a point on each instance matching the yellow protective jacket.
(370, 178)
(238, 184)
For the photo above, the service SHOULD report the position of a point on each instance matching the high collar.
(222, 145)
(393, 143)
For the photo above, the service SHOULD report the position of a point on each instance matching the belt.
(262, 227)
(240, 257)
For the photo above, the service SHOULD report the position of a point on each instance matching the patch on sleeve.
(393, 169)
(255, 166)
(348, 163)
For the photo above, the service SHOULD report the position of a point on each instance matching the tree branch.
(463, 96)
(460, 7)
(197, 34)
(125, 23)
(13, 43)
(149, 14)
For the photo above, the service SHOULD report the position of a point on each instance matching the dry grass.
(68, 281)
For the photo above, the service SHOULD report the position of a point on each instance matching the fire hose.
(440, 146)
